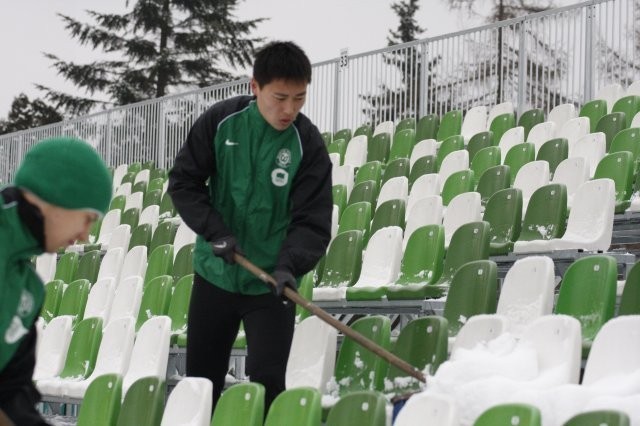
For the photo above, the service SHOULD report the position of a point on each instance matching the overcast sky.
(321, 27)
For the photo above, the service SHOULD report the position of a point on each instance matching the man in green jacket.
(59, 190)
(268, 197)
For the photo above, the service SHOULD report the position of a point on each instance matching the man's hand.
(225, 248)
(283, 279)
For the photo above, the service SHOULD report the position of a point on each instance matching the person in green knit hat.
(61, 187)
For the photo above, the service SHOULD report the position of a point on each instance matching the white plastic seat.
(424, 211)
(633, 89)
(463, 208)
(561, 114)
(113, 356)
(127, 299)
(527, 292)
(428, 409)
(511, 138)
(343, 175)
(385, 127)
(422, 149)
(150, 353)
(100, 299)
(110, 222)
(356, 152)
(610, 93)
(572, 172)
(313, 354)
(135, 263)
(150, 215)
(381, 259)
(541, 133)
(184, 236)
(119, 238)
(530, 177)
(454, 162)
(592, 147)
(142, 176)
(189, 403)
(111, 264)
(119, 173)
(424, 186)
(134, 200)
(123, 189)
(573, 130)
(335, 159)
(477, 329)
(335, 221)
(475, 121)
(636, 120)
(46, 266)
(500, 109)
(396, 188)
(52, 350)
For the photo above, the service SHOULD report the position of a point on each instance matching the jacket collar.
(28, 239)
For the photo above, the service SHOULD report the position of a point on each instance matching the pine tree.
(26, 114)
(159, 45)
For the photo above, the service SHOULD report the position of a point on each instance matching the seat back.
(592, 148)
(500, 125)
(365, 191)
(600, 417)
(165, 233)
(403, 142)
(389, 213)
(457, 183)
(150, 352)
(343, 134)
(479, 329)
(630, 298)
(356, 153)
(240, 404)
(300, 406)
(498, 110)
(574, 129)
(100, 299)
(53, 292)
(356, 216)
(74, 299)
(109, 222)
(381, 259)
(554, 152)
(610, 125)
(152, 198)
(167, 209)
(546, 214)
(530, 118)
(424, 211)
(83, 349)
(359, 408)
(511, 138)
(424, 186)
(619, 167)
(369, 171)
(427, 127)
(541, 133)
(344, 260)
(561, 114)
(464, 208)
(52, 347)
(189, 403)
(610, 94)
(395, 168)
(469, 242)
(478, 142)
(449, 145)
(475, 121)
(629, 105)
(184, 236)
(131, 216)
(141, 236)
(379, 147)
(594, 110)
(530, 177)
(183, 264)
(111, 264)
(456, 161)
(450, 125)
(384, 127)
(572, 173)
(126, 301)
(101, 402)
(143, 403)
(517, 157)
(156, 296)
(135, 262)
(160, 263)
(504, 214)
(422, 166)
(510, 414)
(492, 180)
(423, 408)
(178, 309)
(115, 348)
(627, 140)
(484, 159)
(394, 188)
(67, 267)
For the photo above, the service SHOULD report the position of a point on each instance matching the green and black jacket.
(270, 189)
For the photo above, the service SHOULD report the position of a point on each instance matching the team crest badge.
(284, 158)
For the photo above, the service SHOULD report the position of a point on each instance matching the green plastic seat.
(599, 418)
(94, 231)
(554, 151)
(369, 171)
(365, 129)
(395, 168)
(305, 289)
(143, 404)
(344, 134)
(53, 291)
(493, 180)
(422, 343)
(298, 406)
(588, 293)
(427, 127)
(101, 402)
(67, 266)
(140, 186)
(530, 118)
(166, 206)
(183, 263)
(473, 291)
(339, 197)
(504, 214)
(500, 125)
(469, 242)
(83, 349)
(422, 166)
(485, 159)
(165, 233)
(389, 213)
(629, 105)
(338, 146)
(327, 137)
(478, 142)
(450, 125)
(178, 309)
(157, 173)
(594, 110)
(378, 148)
(452, 143)
(406, 123)
(403, 142)
(240, 404)
(630, 298)
(134, 167)
(118, 202)
(356, 216)
(359, 369)
(155, 183)
(509, 415)
(74, 299)
(518, 156)
(141, 236)
(343, 260)
(148, 165)
(129, 177)
(611, 125)
(627, 140)
(619, 167)
(364, 191)
(160, 263)
(152, 198)
(88, 266)
(546, 214)
(130, 217)
(155, 299)
(456, 184)
(359, 408)
(423, 257)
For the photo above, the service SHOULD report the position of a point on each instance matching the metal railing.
(538, 61)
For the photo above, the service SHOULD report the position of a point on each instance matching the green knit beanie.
(67, 173)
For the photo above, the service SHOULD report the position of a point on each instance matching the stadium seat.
(636, 121)
(456, 161)
(343, 175)
(178, 309)
(129, 177)
(384, 127)
(338, 146)
(305, 289)
(100, 299)
(378, 148)
(141, 236)
(184, 236)
(152, 198)
(475, 121)
(74, 299)
(143, 402)
(542, 133)
(405, 123)
(504, 214)
(364, 130)
(499, 109)
(600, 417)
(422, 149)
(450, 125)
(101, 403)
(633, 89)
(530, 177)
(46, 266)
(88, 266)
(610, 125)
(509, 415)
(356, 216)
(356, 153)
(134, 200)
(344, 134)
(339, 194)
(130, 217)
(156, 296)
(594, 110)
(463, 208)
(627, 140)
(610, 94)
(423, 256)
(167, 208)
(66, 267)
(510, 138)
(299, 407)
(449, 145)
(160, 263)
(365, 191)
(189, 403)
(389, 213)
(500, 125)
(127, 299)
(573, 130)
(426, 408)
(359, 408)
(369, 171)
(156, 183)
(402, 146)
(572, 173)
(484, 159)
(424, 211)
(396, 168)
(52, 348)
(342, 266)
(457, 183)
(478, 142)
(183, 263)
(240, 404)
(561, 114)
(53, 291)
(517, 157)
(630, 298)
(478, 329)
(529, 119)
(118, 174)
(619, 167)
(111, 264)
(427, 127)
(629, 105)
(493, 180)
(165, 233)
(553, 152)
(422, 166)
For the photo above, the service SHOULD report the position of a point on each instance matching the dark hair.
(281, 60)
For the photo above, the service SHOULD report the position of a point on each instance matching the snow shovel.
(323, 315)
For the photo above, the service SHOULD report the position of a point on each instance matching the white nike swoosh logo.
(230, 143)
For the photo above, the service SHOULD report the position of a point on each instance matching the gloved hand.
(283, 279)
(225, 248)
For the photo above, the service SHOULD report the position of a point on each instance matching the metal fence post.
(109, 142)
(522, 68)
(162, 142)
(422, 96)
(589, 74)
(336, 98)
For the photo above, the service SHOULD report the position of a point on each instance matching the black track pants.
(214, 319)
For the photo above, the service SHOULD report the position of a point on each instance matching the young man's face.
(280, 101)
(64, 227)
